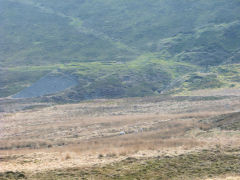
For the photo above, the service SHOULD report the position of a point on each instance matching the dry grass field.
(195, 136)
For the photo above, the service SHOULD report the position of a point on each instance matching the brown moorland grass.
(204, 164)
(106, 131)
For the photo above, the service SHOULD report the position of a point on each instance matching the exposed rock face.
(49, 84)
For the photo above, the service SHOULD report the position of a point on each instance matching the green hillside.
(120, 48)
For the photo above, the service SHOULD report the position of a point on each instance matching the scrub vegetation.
(132, 48)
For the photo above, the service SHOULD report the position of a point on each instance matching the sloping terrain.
(163, 137)
(135, 48)
(210, 163)
(223, 76)
(225, 122)
(187, 166)
(50, 84)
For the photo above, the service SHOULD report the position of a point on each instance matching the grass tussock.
(58, 142)
(204, 164)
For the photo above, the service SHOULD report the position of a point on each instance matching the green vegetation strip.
(208, 163)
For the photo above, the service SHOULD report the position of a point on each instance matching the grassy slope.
(224, 122)
(30, 36)
(144, 76)
(96, 41)
(223, 76)
(188, 166)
